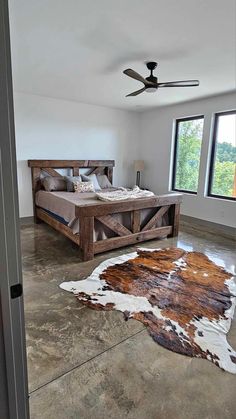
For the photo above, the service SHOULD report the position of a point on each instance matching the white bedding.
(122, 194)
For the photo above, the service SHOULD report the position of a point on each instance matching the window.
(187, 151)
(222, 176)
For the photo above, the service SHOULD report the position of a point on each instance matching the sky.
(227, 129)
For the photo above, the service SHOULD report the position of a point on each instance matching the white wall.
(56, 129)
(156, 149)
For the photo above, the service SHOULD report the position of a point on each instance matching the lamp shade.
(138, 165)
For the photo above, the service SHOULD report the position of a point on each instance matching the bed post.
(109, 173)
(35, 175)
(174, 219)
(86, 227)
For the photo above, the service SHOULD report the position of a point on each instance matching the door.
(13, 373)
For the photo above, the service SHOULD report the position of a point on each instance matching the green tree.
(225, 152)
(223, 180)
(224, 169)
(188, 154)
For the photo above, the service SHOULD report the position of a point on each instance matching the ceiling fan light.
(150, 89)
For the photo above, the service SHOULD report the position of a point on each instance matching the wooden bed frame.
(168, 205)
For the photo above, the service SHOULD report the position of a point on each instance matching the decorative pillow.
(104, 181)
(92, 178)
(70, 180)
(84, 187)
(52, 183)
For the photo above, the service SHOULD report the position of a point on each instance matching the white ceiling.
(77, 49)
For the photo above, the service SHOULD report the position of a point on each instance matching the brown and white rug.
(184, 299)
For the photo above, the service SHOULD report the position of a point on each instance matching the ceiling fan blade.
(180, 83)
(131, 73)
(137, 92)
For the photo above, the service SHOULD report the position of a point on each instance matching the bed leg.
(35, 176)
(86, 238)
(37, 220)
(174, 219)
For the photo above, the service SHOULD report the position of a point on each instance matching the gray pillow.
(91, 178)
(104, 181)
(70, 180)
(52, 183)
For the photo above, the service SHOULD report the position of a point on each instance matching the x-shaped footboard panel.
(104, 213)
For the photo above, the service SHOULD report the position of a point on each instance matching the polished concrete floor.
(86, 364)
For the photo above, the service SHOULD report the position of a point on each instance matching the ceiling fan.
(151, 83)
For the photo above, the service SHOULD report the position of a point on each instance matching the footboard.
(166, 206)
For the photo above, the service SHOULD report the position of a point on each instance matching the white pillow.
(81, 187)
(92, 178)
(104, 181)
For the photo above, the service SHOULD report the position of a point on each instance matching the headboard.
(49, 167)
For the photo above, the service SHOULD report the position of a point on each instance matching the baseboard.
(26, 220)
(203, 225)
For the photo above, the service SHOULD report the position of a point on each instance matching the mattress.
(63, 204)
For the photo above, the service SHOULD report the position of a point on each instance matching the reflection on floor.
(86, 364)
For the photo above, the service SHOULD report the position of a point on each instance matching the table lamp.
(139, 167)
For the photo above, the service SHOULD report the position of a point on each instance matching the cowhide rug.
(184, 299)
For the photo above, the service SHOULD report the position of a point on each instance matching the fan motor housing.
(152, 79)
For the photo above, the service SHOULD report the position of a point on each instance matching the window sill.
(221, 198)
(184, 192)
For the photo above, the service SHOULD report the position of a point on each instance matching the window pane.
(188, 151)
(224, 163)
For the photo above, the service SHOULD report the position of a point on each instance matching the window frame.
(174, 163)
(212, 156)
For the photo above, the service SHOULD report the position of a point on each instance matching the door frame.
(11, 305)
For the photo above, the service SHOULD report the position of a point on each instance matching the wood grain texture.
(175, 218)
(86, 238)
(114, 225)
(52, 172)
(136, 219)
(36, 185)
(160, 212)
(75, 171)
(109, 173)
(114, 243)
(44, 216)
(96, 171)
(104, 208)
(60, 164)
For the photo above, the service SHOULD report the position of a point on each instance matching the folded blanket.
(123, 193)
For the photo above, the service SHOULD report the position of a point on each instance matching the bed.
(97, 226)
